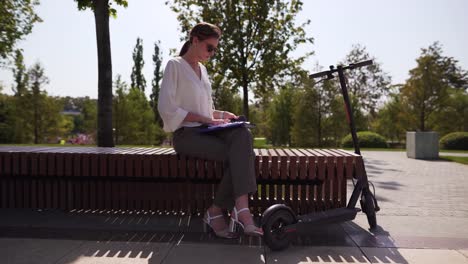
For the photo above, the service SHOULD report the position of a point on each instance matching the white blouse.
(182, 92)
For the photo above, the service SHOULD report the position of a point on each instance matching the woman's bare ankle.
(213, 209)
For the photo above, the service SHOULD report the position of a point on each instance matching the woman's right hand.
(215, 121)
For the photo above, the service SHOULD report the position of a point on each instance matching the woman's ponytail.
(185, 48)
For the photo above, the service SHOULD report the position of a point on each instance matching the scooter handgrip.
(319, 74)
(361, 64)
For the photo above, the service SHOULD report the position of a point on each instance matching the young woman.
(186, 106)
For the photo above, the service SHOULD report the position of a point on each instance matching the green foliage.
(335, 125)
(19, 74)
(306, 118)
(23, 121)
(155, 83)
(390, 120)
(89, 112)
(366, 84)
(255, 50)
(133, 117)
(455, 140)
(367, 139)
(7, 119)
(452, 117)
(427, 91)
(258, 116)
(38, 98)
(137, 77)
(85, 4)
(280, 117)
(17, 18)
(228, 100)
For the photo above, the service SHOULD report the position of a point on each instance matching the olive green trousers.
(234, 147)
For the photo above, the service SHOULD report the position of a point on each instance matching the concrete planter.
(422, 145)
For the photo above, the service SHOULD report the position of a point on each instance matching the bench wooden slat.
(312, 191)
(147, 178)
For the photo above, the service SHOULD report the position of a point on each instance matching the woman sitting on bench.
(186, 106)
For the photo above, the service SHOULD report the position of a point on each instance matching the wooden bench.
(158, 179)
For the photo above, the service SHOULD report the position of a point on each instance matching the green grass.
(44, 145)
(453, 151)
(462, 160)
(74, 145)
(261, 143)
(377, 149)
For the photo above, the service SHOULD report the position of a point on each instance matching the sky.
(392, 31)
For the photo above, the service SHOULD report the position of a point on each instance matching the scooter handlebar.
(360, 64)
(350, 67)
(319, 74)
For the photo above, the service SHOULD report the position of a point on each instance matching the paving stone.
(111, 252)
(317, 255)
(414, 256)
(215, 254)
(34, 251)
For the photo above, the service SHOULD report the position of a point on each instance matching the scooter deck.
(330, 216)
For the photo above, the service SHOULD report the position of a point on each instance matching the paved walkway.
(423, 219)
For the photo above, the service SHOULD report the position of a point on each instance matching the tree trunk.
(421, 119)
(319, 129)
(101, 16)
(36, 121)
(245, 88)
(319, 126)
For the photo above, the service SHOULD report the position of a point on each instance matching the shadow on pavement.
(377, 244)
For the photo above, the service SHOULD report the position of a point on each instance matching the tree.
(454, 116)
(86, 121)
(134, 120)
(120, 117)
(21, 102)
(102, 9)
(7, 118)
(391, 121)
(427, 90)
(366, 84)
(17, 18)
(305, 130)
(89, 112)
(38, 79)
(155, 83)
(280, 117)
(258, 38)
(137, 77)
(19, 74)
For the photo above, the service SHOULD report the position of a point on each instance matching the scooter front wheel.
(273, 229)
(368, 207)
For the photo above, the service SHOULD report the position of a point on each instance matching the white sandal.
(250, 230)
(222, 233)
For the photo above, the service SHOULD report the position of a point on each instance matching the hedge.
(455, 140)
(367, 139)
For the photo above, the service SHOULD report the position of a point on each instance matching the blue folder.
(226, 126)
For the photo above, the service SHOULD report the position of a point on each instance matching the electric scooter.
(279, 222)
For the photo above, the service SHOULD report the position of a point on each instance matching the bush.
(367, 139)
(455, 140)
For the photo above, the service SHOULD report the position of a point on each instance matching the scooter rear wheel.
(273, 232)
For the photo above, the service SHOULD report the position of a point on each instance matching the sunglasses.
(210, 48)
